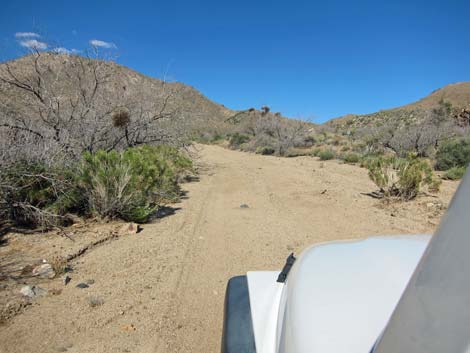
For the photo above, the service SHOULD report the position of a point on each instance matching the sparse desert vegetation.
(81, 157)
(68, 147)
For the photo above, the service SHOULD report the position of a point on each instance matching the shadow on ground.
(165, 211)
(4, 229)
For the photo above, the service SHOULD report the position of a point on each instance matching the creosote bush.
(402, 177)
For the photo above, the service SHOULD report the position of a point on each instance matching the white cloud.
(27, 35)
(102, 44)
(62, 50)
(33, 44)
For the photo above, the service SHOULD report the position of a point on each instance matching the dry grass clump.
(58, 264)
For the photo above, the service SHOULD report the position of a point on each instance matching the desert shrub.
(58, 264)
(238, 139)
(345, 148)
(35, 194)
(178, 162)
(128, 185)
(453, 153)
(309, 141)
(217, 138)
(402, 177)
(359, 147)
(316, 151)
(351, 158)
(369, 158)
(326, 155)
(455, 173)
(296, 152)
(132, 184)
(265, 150)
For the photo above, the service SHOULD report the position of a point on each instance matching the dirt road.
(162, 290)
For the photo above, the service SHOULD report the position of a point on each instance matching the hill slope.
(121, 86)
(457, 94)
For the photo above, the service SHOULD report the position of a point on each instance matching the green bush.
(237, 139)
(316, 152)
(455, 173)
(402, 177)
(131, 185)
(326, 155)
(265, 150)
(178, 162)
(453, 153)
(35, 194)
(351, 158)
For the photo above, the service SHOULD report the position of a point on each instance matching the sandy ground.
(162, 290)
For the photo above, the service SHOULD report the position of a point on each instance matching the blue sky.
(309, 59)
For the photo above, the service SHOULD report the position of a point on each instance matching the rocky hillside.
(457, 94)
(120, 87)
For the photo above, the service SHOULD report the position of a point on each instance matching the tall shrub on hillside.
(402, 177)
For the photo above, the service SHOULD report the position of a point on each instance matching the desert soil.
(162, 290)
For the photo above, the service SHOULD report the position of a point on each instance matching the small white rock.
(44, 271)
(33, 291)
(27, 291)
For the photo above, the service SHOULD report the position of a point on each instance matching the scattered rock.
(324, 192)
(132, 228)
(244, 205)
(33, 291)
(82, 285)
(128, 328)
(90, 281)
(44, 271)
(66, 279)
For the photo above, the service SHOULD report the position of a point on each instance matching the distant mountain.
(457, 94)
(125, 86)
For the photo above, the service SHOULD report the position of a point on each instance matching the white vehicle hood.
(338, 296)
